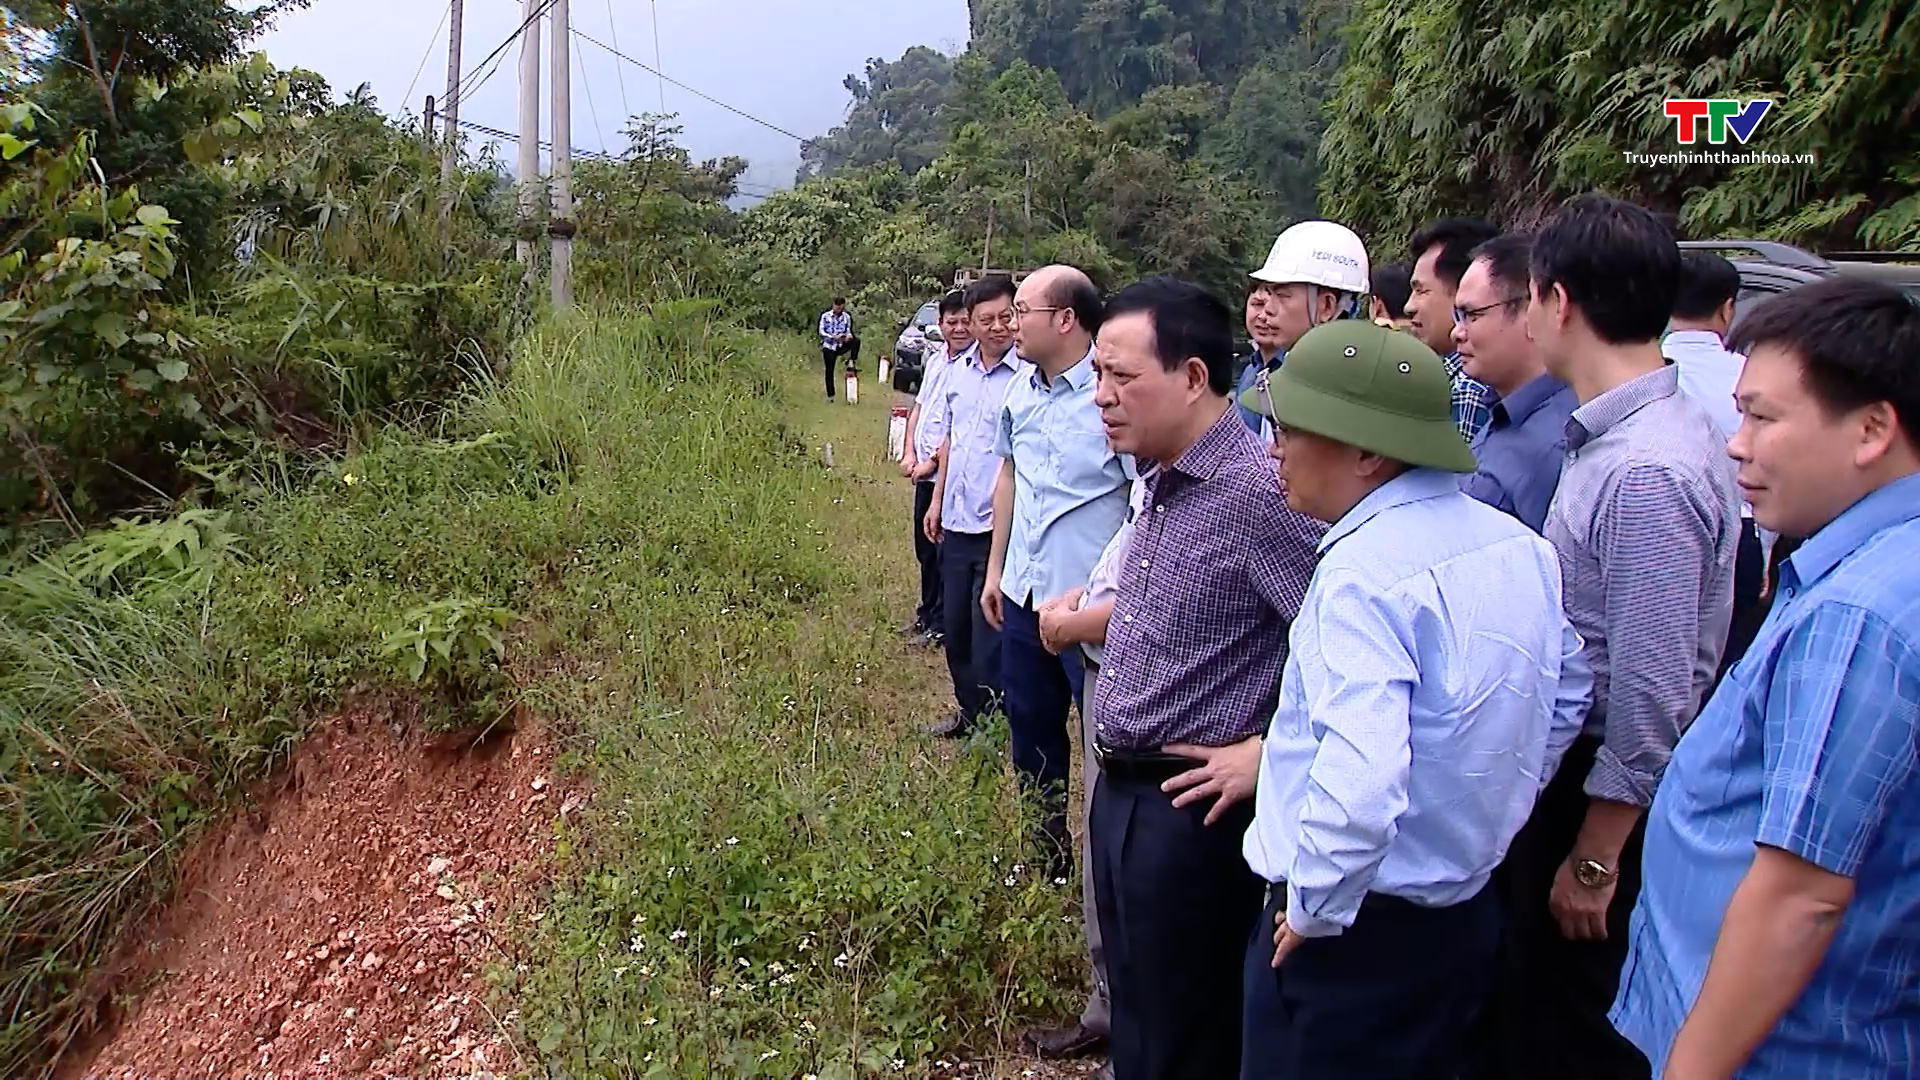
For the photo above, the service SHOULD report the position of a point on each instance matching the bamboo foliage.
(1505, 107)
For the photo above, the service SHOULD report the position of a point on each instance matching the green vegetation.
(698, 622)
(282, 421)
(1506, 108)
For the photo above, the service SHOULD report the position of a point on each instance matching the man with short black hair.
(960, 518)
(1194, 649)
(1646, 521)
(1391, 286)
(1696, 345)
(1775, 938)
(837, 339)
(926, 430)
(1520, 450)
(1441, 253)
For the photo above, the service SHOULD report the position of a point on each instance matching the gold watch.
(1593, 874)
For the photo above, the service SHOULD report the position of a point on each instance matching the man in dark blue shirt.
(1521, 448)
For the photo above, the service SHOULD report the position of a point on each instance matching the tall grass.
(774, 875)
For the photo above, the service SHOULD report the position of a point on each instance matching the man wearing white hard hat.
(1316, 273)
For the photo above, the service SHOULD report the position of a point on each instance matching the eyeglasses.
(1467, 315)
(1006, 318)
(1021, 311)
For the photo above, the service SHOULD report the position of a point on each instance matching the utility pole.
(455, 34)
(1027, 201)
(986, 257)
(529, 133)
(561, 227)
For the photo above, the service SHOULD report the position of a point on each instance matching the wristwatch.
(1592, 874)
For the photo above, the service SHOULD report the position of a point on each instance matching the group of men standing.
(1389, 643)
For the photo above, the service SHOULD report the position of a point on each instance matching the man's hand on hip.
(1227, 774)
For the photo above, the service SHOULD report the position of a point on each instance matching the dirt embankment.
(341, 924)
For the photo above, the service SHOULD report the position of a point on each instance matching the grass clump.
(628, 534)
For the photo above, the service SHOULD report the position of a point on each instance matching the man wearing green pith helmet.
(1431, 686)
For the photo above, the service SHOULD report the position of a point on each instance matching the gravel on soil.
(341, 924)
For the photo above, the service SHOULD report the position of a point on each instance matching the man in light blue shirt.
(926, 431)
(960, 518)
(1431, 686)
(1777, 935)
(1060, 496)
(837, 339)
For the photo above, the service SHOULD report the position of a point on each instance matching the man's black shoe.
(1072, 1041)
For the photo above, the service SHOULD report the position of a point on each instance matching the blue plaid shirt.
(832, 326)
(1809, 746)
(1472, 400)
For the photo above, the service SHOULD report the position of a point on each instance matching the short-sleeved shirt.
(1809, 747)
(931, 429)
(1104, 583)
(974, 396)
(1521, 449)
(1210, 585)
(1069, 487)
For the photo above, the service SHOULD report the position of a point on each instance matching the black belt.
(1143, 765)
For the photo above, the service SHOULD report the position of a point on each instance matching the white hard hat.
(1318, 253)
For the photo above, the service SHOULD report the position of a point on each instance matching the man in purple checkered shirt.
(1217, 570)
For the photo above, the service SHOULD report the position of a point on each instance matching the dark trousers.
(1176, 904)
(831, 354)
(973, 645)
(931, 613)
(1040, 687)
(1749, 608)
(1547, 1016)
(1393, 996)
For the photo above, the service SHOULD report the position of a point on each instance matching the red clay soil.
(341, 925)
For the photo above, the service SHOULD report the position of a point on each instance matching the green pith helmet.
(1367, 386)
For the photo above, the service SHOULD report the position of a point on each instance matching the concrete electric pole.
(561, 227)
(455, 34)
(529, 133)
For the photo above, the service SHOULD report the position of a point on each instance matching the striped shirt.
(1809, 746)
(1647, 523)
(1216, 572)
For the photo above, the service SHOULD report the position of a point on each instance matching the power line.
(707, 97)
(467, 83)
(587, 84)
(655, 5)
(619, 72)
(543, 144)
(428, 53)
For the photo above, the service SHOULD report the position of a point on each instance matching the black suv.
(1768, 267)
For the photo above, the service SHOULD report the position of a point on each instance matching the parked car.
(1768, 267)
(910, 349)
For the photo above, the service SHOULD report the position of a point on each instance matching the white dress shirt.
(1104, 583)
(1708, 373)
(1432, 686)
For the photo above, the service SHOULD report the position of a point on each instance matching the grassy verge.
(777, 874)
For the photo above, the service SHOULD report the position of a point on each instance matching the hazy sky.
(780, 60)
